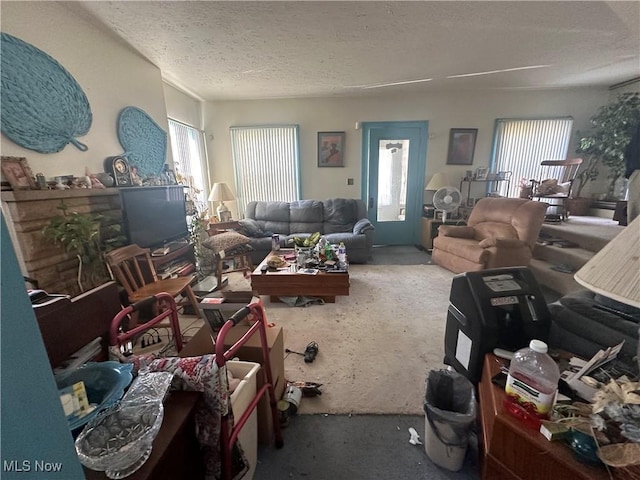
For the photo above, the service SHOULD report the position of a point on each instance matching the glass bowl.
(119, 440)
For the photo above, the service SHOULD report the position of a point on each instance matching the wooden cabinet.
(513, 451)
(429, 232)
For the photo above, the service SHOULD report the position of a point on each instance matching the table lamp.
(438, 181)
(219, 193)
(615, 270)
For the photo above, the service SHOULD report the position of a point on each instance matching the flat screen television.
(154, 216)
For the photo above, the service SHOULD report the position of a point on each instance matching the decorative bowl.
(119, 440)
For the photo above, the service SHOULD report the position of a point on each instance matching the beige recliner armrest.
(457, 231)
(502, 243)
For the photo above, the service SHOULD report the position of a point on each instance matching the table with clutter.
(510, 449)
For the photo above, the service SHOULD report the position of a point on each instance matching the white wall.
(111, 75)
(443, 111)
(182, 107)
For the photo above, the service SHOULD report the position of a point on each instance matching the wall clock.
(120, 170)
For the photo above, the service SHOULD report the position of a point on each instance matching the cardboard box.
(202, 343)
(217, 307)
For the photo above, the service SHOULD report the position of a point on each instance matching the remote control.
(506, 354)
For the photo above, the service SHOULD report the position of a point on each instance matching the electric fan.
(447, 199)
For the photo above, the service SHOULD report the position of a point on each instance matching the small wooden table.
(514, 451)
(242, 261)
(219, 227)
(290, 283)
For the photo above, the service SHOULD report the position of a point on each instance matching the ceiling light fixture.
(530, 67)
(379, 85)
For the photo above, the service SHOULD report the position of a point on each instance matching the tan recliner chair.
(500, 232)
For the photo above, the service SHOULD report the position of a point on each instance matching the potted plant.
(81, 234)
(198, 225)
(604, 144)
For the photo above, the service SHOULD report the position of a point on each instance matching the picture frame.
(482, 173)
(462, 143)
(18, 173)
(331, 149)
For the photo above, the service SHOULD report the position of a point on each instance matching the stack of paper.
(575, 379)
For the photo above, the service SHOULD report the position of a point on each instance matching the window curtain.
(266, 163)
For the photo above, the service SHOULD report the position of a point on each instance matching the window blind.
(520, 146)
(187, 145)
(266, 163)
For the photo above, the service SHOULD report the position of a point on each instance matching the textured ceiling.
(249, 50)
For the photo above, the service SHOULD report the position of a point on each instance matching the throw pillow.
(224, 242)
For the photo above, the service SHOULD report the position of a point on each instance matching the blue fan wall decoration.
(43, 107)
(145, 143)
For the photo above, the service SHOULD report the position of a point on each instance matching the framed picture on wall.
(17, 172)
(331, 149)
(462, 143)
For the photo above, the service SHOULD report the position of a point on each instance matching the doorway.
(393, 166)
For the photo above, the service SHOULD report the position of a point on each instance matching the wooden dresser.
(513, 451)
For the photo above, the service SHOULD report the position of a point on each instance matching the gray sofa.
(584, 322)
(338, 219)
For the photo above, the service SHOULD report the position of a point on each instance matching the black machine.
(498, 308)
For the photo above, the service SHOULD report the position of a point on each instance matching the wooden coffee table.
(290, 283)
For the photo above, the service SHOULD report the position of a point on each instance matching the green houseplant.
(82, 234)
(605, 142)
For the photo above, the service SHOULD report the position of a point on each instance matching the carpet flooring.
(374, 361)
(356, 447)
(376, 346)
(399, 255)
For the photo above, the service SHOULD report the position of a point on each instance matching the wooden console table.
(513, 451)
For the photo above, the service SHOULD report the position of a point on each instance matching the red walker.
(228, 436)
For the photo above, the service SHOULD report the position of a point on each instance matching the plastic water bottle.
(532, 384)
(342, 253)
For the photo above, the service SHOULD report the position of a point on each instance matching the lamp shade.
(438, 181)
(615, 270)
(220, 192)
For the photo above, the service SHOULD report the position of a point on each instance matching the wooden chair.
(557, 200)
(134, 269)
